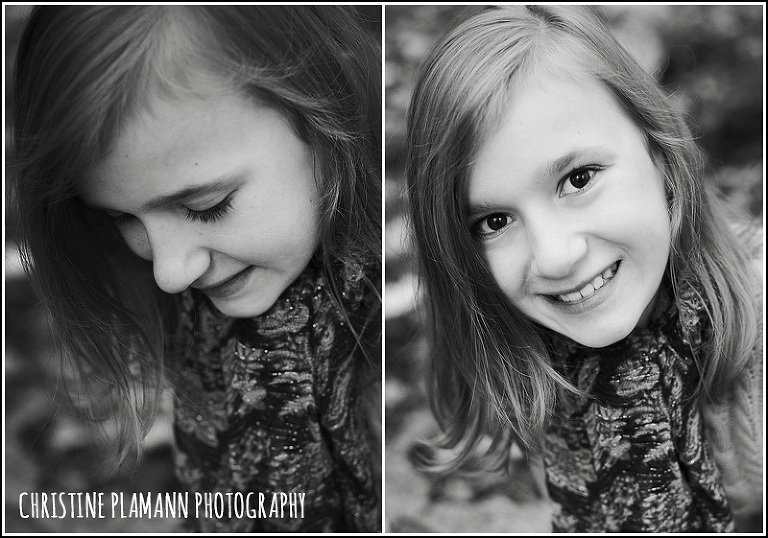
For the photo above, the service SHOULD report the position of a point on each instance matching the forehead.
(544, 115)
(178, 143)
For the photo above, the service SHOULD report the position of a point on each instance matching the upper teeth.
(597, 283)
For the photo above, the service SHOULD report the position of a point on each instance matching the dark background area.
(711, 59)
(47, 447)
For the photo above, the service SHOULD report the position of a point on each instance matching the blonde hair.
(493, 371)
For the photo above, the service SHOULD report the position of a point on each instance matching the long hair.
(82, 71)
(493, 372)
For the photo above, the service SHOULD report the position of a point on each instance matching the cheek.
(634, 211)
(283, 233)
(647, 222)
(508, 270)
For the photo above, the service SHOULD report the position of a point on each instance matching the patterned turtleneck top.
(282, 403)
(634, 455)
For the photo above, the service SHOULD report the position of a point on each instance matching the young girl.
(584, 293)
(199, 196)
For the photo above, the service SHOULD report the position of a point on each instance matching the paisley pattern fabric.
(632, 456)
(276, 404)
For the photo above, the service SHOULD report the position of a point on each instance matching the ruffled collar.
(284, 316)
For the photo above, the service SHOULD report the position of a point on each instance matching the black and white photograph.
(193, 311)
(574, 268)
(383, 268)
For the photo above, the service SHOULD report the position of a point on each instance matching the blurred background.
(46, 447)
(711, 59)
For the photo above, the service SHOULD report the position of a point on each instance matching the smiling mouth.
(590, 288)
(230, 286)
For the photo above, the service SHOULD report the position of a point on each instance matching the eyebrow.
(478, 208)
(552, 168)
(556, 166)
(191, 192)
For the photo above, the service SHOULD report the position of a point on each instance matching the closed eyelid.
(212, 213)
(196, 199)
(203, 204)
(187, 195)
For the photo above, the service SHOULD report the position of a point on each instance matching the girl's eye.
(211, 214)
(491, 225)
(578, 180)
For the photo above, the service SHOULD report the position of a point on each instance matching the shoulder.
(349, 312)
(735, 427)
(346, 334)
(751, 238)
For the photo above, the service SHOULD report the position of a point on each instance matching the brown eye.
(580, 178)
(496, 222)
(491, 225)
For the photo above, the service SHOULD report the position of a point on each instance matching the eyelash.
(483, 236)
(212, 214)
(593, 169)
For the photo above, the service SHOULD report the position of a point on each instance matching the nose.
(178, 258)
(556, 246)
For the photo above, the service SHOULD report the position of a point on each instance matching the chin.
(603, 337)
(242, 308)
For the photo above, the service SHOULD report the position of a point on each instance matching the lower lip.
(589, 303)
(231, 286)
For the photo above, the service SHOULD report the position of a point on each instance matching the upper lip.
(580, 287)
(218, 284)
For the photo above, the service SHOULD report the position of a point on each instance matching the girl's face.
(219, 193)
(570, 211)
